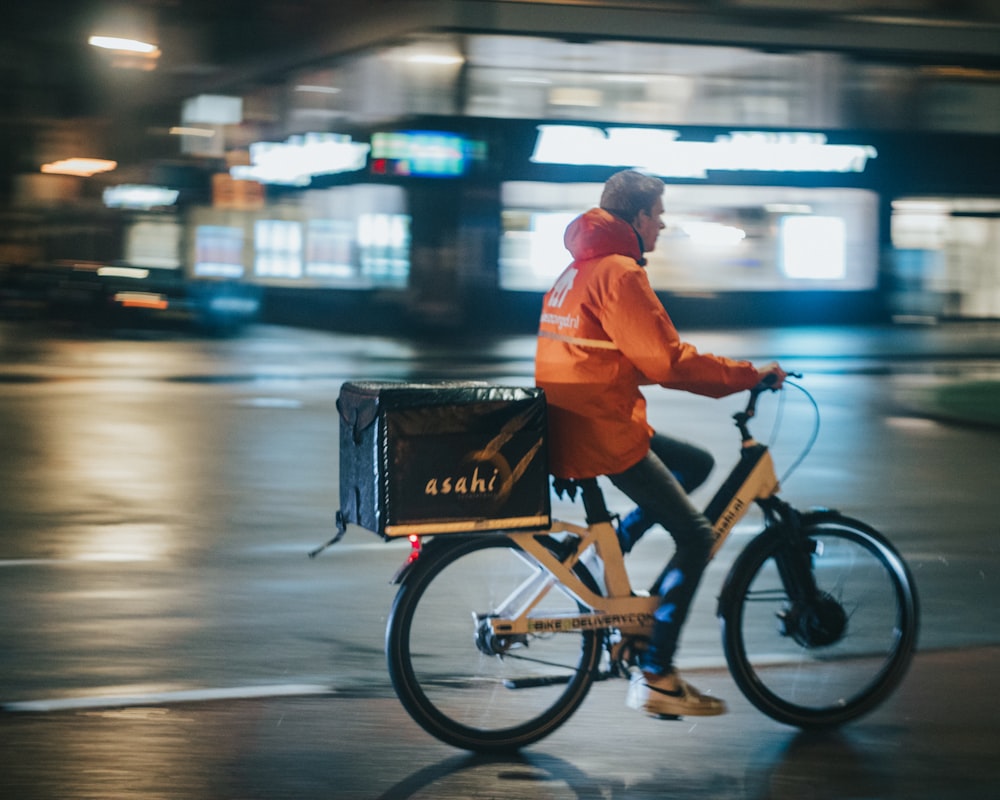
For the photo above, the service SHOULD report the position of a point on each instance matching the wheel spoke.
(832, 657)
(458, 687)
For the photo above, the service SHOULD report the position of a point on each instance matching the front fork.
(812, 617)
(794, 557)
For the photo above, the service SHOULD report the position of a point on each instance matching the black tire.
(455, 691)
(829, 664)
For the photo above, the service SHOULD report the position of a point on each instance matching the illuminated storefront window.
(357, 237)
(813, 248)
(946, 257)
(329, 247)
(384, 247)
(277, 249)
(154, 243)
(717, 238)
(218, 251)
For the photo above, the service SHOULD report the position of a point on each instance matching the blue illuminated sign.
(436, 154)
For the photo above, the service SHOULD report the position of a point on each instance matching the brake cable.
(812, 437)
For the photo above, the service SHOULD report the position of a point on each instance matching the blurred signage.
(129, 195)
(213, 109)
(227, 192)
(297, 160)
(663, 152)
(436, 154)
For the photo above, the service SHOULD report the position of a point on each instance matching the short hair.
(628, 192)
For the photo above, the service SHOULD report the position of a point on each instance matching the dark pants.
(659, 485)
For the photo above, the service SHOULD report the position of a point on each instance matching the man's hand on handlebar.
(772, 376)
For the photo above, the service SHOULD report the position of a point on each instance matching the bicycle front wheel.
(465, 686)
(827, 660)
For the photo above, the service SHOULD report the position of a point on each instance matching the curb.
(968, 403)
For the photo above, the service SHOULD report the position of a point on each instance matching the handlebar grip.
(768, 382)
(765, 384)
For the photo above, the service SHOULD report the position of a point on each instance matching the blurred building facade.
(415, 163)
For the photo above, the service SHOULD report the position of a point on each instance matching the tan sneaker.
(669, 695)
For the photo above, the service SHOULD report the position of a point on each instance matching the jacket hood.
(598, 233)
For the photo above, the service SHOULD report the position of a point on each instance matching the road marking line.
(163, 698)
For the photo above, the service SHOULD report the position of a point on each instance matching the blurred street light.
(118, 44)
(130, 37)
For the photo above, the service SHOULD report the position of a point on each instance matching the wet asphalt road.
(935, 739)
(158, 499)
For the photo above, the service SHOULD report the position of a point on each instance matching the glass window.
(218, 251)
(812, 248)
(717, 238)
(384, 248)
(419, 77)
(329, 245)
(966, 100)
(536, 77)
(648, 83)
(277, 249)
(946, 256)
(357, 237)
(154, 243)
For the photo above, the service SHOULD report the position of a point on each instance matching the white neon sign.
(663, 153)
(295, 161)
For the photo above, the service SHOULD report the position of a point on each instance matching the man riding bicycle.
(604, 333)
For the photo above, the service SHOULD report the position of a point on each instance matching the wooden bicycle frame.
(752, 479)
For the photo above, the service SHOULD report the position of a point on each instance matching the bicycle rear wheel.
(827, 661)
(463, 686)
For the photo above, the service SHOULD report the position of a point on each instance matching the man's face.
(648, 224)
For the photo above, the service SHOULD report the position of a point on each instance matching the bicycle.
(494, 639)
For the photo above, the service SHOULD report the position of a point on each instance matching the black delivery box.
(442, 457)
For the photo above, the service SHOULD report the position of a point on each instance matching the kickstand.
(341, 530)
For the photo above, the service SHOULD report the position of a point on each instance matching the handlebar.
(766, 385)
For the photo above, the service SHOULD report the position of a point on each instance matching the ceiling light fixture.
(82, 167)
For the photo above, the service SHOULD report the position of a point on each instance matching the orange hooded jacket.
(603, 334)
